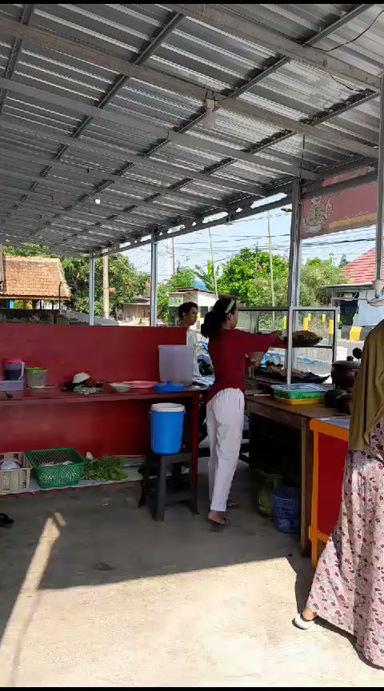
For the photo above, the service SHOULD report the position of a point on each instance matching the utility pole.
(2, 277)
(271, 266)
(173, 257)
(213, 264)
(106, 286)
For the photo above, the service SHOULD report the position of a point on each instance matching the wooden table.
(297, 417)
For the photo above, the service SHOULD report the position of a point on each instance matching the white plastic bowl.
(141, 385)
(9, 464)
(121, 387)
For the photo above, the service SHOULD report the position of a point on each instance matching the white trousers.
(225, 420)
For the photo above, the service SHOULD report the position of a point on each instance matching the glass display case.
(310, 364)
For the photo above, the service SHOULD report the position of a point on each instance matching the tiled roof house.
(362, 271)
(33, 278)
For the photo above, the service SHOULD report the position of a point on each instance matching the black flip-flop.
(5, 520)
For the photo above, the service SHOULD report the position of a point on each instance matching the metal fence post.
(154, 271)
(294, 273)
(91, 288)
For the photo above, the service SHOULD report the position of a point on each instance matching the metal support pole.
(335, 330)
(106, 286)
(294, 273)
(213, 263)
(295, 248)
(271, 268)
(2, 273)
(173, 257)
(288, 360)
(154, 267)
(380, 198)
(91, 287)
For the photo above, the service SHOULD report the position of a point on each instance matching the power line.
(307, 242)
(230, 247)
(254, 238)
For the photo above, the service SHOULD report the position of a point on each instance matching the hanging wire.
(346, 86)
(352, 40)
(346, 43)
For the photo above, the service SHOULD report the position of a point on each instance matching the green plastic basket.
(300, 395)
(58, 475)
(299, 392)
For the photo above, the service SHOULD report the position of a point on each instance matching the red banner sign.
(345, 210)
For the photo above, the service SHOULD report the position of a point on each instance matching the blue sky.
(194, 249)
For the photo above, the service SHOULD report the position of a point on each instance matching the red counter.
(107, 423)
(108, 353)
(330, 446)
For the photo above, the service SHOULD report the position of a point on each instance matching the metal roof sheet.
(108, 100)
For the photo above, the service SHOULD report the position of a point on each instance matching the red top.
(228, 353)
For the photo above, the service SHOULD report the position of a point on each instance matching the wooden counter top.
(54, 395)
(270, 407)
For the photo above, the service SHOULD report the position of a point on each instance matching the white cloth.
(225, 420)
(193, 340)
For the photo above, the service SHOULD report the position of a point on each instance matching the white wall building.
(203, 298)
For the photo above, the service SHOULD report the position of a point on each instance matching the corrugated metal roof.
(109, 101)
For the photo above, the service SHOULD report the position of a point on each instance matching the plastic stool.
(166, 490)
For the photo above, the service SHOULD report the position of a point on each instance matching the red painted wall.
(108, 353)
(102, 428)
(332, 453)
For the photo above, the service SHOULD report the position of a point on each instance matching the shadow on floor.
(99, 536)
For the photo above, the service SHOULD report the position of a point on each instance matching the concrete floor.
(94, 593)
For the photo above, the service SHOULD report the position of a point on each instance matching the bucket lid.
(13, 361)
(167, 408)
(169, 387)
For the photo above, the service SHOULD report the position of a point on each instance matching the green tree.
(315, 274)
(28, 250)
(207, 275)
(247, 276)
(124, 280)
(181, 280)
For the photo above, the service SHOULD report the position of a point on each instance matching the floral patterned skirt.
(348, 587)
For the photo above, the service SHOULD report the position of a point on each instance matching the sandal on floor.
(215, 525)
(5, 520)
(303, 624)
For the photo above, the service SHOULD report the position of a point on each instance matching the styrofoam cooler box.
(176, 363)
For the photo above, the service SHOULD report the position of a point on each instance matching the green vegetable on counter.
(108, 468)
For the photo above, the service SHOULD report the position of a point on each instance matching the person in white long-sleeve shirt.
(188, 313)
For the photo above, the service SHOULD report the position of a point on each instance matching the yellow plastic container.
(302, 401)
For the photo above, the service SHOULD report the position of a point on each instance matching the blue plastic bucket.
(286, 509)
(167, 425)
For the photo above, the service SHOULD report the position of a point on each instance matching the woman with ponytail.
(228, 348)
